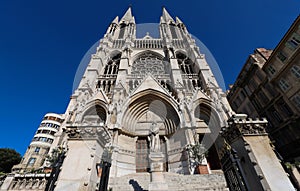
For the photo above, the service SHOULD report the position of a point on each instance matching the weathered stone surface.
(175, 182)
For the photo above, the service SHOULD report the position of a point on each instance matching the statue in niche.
(154, 138)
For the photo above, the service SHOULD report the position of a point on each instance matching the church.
(148, 114)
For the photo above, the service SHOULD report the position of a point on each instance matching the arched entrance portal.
(141, 115)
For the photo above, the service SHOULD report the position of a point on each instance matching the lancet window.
(122, 30)
(107, 81)
(191, 79)
(185, 64)
(112, 66)
(173, 29)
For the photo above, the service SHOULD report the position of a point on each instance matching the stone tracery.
(148, 63)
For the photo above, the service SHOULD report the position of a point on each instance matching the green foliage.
(288, 165)
(8, 158)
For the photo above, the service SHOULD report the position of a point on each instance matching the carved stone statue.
(154, 138)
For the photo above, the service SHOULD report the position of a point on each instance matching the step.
(176, 182)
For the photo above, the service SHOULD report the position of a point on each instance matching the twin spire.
(128, 18)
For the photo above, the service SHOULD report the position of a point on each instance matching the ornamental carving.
(89, 133)
(243, 126)
(148, 64)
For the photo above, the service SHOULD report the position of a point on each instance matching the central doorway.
(142, 160)
(142, 155)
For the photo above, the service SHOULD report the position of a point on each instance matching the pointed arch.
(204, 111)
(186, 65)
(147, 107)
(95, 112)
(181, 51)
(112, 66)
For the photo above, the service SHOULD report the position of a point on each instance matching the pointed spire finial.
(166, 16)
(178, 21)
(128, 16)
(116, 20)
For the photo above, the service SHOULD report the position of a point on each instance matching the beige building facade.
(269, 86)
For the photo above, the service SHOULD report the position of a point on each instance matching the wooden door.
(142, 152)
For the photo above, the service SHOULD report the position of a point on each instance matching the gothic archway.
(146, 109)
(95, 114)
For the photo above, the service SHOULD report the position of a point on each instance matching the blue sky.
(43, 42)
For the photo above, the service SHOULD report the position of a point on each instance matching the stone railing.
(190, 76)
(119, 43)
(29, 182)
(148, 43)
(177, 43)
(108, 76)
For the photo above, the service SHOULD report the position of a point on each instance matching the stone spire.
(128, 18)
(116, 20)
(178, 21)
(112, 27)
(166, 18)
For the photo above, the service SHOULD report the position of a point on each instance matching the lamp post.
(106, 164)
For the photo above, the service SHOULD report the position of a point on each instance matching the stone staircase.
(176, 182)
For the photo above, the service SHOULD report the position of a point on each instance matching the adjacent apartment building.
(269, 86)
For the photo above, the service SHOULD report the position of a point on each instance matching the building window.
(238, 100)
(256, 104)
(281, 56)
(44, 139)
(252, 84)
(276, 116)
(283, 84)
(271, 70)
(235, 107)
(296, 100)
(294, 42)
(173, 30)
(51, 118)
(31, 161)
(35, 139)
(271, 91)
(243, 95)
(260, 75)
(263, 97)
(37, 149)
(285, 109)
(296, 71)
(247, 90)
(122, 31)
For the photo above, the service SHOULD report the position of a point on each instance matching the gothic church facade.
(143, 95)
